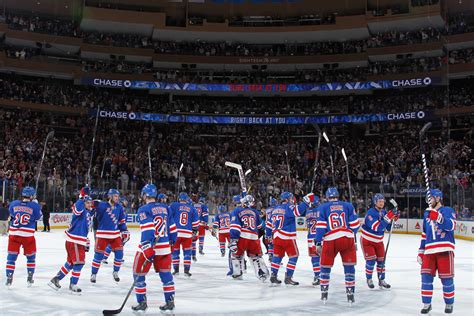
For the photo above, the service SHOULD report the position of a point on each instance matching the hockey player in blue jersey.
(158, 233)
(335, 233)
(436, 253)
(376, 222)
(244, 224)
(77, 244)
(312, 215)
(272, 202)
(203, 213)
(187, 222)
(122, 201)
(221, 228)
(237, 206)
(112, 230)
(23, 217)
(284, 235)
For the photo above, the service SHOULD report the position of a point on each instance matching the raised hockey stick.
(316, 127)
(288, 170)
(177, 179)
(395, 205)
(48, 137)
(88, 178)
(150, 145)
(347, 173)
(425, 169)
(119, 310)
(330, 157)
(237, 166)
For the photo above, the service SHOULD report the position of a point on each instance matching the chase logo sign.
(415, 82)
(406, 116)
(118, 115)
(112, 83)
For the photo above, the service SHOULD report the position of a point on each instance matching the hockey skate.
(316, 281)
(168, 308)
(104, 261)
(384, 285)
(93, 278)
(54, 283)
(350, 296)
(324, 294)
(74, 289)
(194, 258)
(140, 307)
(187, 273)
(116, 277)
(426, 309)
(274, 280)
(29, 280)
(448, 309)
(289, 281)
(201, 251)
(222, 254)
(9, 280)
(176, 271)
(370, 283)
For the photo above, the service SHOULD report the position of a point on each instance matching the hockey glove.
(389, 216)
(88, 245)
(436, 216)
(319, 247)
(309, 199)
(195, 233)
(148, 252)
(214, 233)
(420, 257)
(125, 235)
(233, 245)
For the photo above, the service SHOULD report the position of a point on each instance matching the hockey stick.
(395, 205)
(425, 169)
(88, 178)
(237, 166)
(119, 310)
(177, 180)
(317, 156)
(50, 134)
(347, 173)
(289, 172)
(330, 157)
(150, 145)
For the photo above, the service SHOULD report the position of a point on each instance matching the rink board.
(464, 229)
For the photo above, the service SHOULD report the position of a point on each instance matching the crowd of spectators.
(459, 93)
(116, 67)
(35, 23)
(120, 159)
(462, 56)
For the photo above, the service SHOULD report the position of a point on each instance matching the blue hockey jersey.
(284, 219)
(23, 218)
(375, 225)
(185, 217)
(152, 217)
(80, 222)
(443, 240)
(311, 221)
(268, 222)
(245, 223)
(111, 220)
(336, 219)
(203, 213)
(222, 222)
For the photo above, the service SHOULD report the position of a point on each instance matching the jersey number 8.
(183, 218)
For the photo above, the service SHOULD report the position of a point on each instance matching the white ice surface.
(209, 292)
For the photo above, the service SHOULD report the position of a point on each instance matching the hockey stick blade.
(394, 203)
(233, 165)
(426, 127)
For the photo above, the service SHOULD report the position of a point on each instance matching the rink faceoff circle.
(210, 292)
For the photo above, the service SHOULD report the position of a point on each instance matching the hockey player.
(23, 217)
(244, 225)
(436, 251)
(335, 233)
(158, 232)
(203, 213)
(187, 222)
(123, 201)
(268, 226)
(221, 226)
(284, 234)
(376, 221)
(312, 215)
(77, 244)
(112, 230)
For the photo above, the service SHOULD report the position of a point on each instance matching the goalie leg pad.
(261, 270)
(237, 264)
